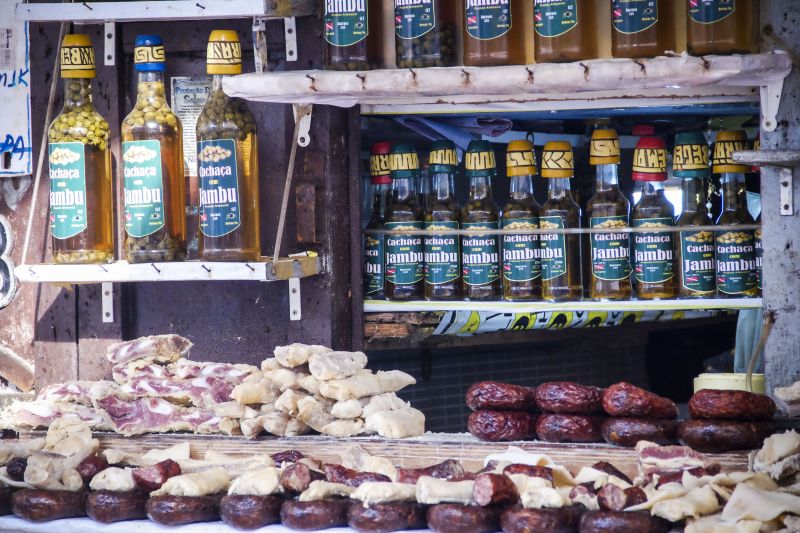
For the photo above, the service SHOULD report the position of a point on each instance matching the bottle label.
(346, 22)
(488, 19)
(552, 18)
(710, 11)
(759, 258)
(736, 262)
(404, 254)
(521, 253)
(373, 265)
(67, 189)
(634, 16)
(653, 253)
(698, 267)
(441, 253)
(413, 18)
(219, 187)
(480, 255)
(610, 251)
(144, 189)
(554, 248)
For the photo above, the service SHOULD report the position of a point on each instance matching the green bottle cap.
(403, 162)
(479, 159)
(443, 157)
(690, 158)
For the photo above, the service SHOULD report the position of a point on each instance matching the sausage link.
(611, 470)
(15, 469)
(627, 432)
(351, 478)
(91, 466)
(310, 516)
(497, 426)
(494, 489)
(43, 505)
(622, 522)
(676, 477)
(543, 472)
(611, 498)
(297, 477)
(178, 510)
(287, 456)
(715, 436)
(106, 506)
(731, 405)
(634, 496)
(386, 517)
(568, 428)
(624, 399)
(521, 520)
(457, 518)
(449, 469)
(569, 398)
(250, 512)
(150, 478)
(493, 395)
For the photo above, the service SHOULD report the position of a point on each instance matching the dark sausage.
(91, 466)
(627, 432)
(108, 506)
(496, 426)
(622, 522)
(5, 500)
(611, 470)
(309, 516)
(715, 436)
(494, 489)
(731, 405)
(568, 398)
(15, 469)
(351, 478)
(250, 512)
(448, 469)
(568, 428)
(177, 510)
(150, 478)
(43, 505)
(634, 496)
(520, 520)
(624, 399)
(493, 395)
(543, 472)
(611, 498)
(297, 477)
(677, 477)
(287, 456)
(386, 517)
(457, 518)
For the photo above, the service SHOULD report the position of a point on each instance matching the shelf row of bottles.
(617, 264)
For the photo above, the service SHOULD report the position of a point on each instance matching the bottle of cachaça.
(81, 203)
(695, 258)
(442, 270)
(522, 267)
(404, 253)
(380, 181)
(653, 253)
(480, 254)
(608, 208)
(735, 250)
(561, 253)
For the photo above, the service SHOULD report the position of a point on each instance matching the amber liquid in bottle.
(565, 30)
(427, 42)
(654, 253)
(522, 268)
(442, 265)
(403, 208)
(712, 28)
(79, 122)
(347, 48)
(480, 253)
(374, 245)
(228, 119)
(561, 253)
(483, 46)
(657, 17)
(735, 250)
(695, 249)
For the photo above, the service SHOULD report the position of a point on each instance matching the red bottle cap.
(650, 159)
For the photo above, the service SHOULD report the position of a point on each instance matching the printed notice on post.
(189, 95)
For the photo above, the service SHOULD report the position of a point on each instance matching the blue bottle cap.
(148, 54)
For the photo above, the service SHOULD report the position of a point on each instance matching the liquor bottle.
(565, 30)
(561, 253)
(759, 247)
(152, 160)
(442, 268)
(522, 267)
(380, 181)
(721, 26)
(353, 35)
(608, 208)
(695, 257)
(227, 162)
(81, 202)
(480, 254)
(642, 28)
(425, 33)
(494, 33)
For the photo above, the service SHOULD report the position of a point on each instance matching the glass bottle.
(81, 203)
(442, 268)
(758, 244)
(721, 26)
(152, 160)
(425, 33)
(642, 28)
(480, 254)
(735, 250)
(653, 253)
(404, 253)
(380, 181)
(227, 163)
(353, 35)
(561, 253)
(494, 33)
(608, 208)
(565, 30)
(695, 249)
(522, 267)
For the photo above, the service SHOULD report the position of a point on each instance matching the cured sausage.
(621, 522)
(91, 466)
(568, 428)
(731, 405)
(5, 500)
(457, 518)
(611, 470)
(250, 512)
(497, 426)
(624, 399)
(569, 398)
(297, 477)
(351, 478)
(715, 436)
(676, 477)
(494, 489)
(287, 456)
(543, 472)
(108, 506)
(150, 478)
(634, 496)
(43, 505)
(627, 432)
(177, 510)
(494, 395)
(449, 469)
(385, 517)
(15, 469)
(613, 498)
(309, 516)
(521, 520)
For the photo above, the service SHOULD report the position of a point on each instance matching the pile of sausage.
(623, 414)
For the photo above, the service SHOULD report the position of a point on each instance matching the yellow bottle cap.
(224, 53)
(604, 149)
(77, 56)
(727, 143)
(520, 159)
(557, 160)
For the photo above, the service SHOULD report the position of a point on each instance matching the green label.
(521, 253)
(373, 265)
(219, 187)
(488, 19)
(67, 189)
(413, 18)
(610, 251)
(759, 262)
(736, 262)
(653, 253)
(480, 256)
(552, 18)
(698, 268)
(441, 254)
(554, 248)
(404, 254)
(144, 189)
(633, 16)
(346, 22)
(710, 11)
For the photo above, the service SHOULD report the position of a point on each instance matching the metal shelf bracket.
(110, 49)
(302, 113)
(290, 35)
(260, 56)
(295, 305)
(770, 102)
(784, 162)
(108, 301)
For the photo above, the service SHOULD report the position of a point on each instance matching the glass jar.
(380, 182)
(425, 33)
(721, 26)
(494, 33)
(442, 262)
(642, 28)
(565, 30)
(353, 35)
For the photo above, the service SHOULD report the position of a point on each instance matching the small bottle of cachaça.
(380, 181)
